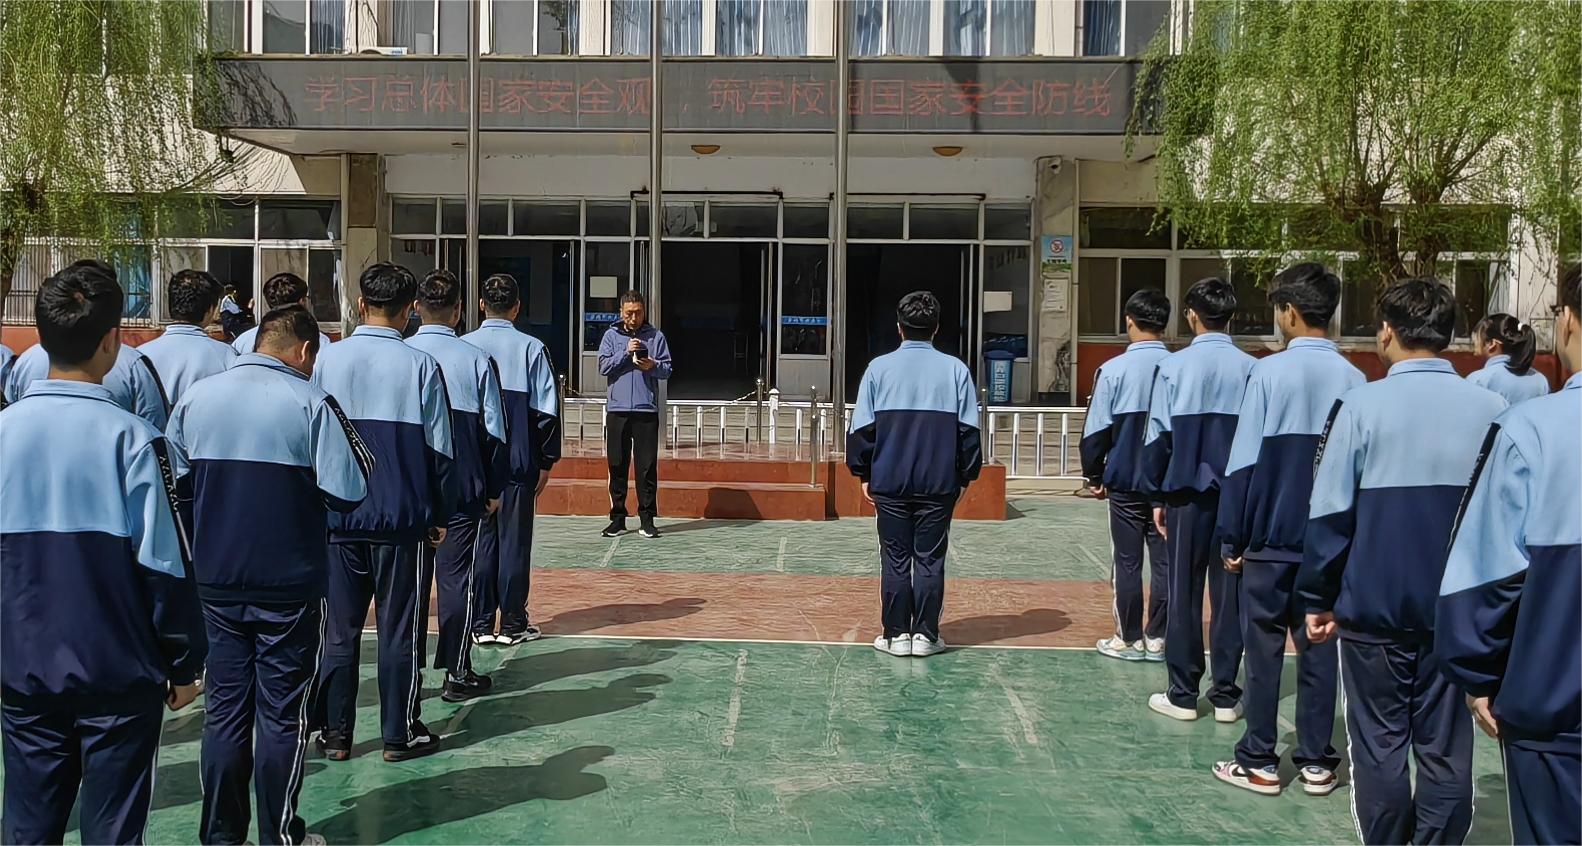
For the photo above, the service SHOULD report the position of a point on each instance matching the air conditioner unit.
(384, 51)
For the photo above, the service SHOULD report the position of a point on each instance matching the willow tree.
(1395, 129)
(96, 134)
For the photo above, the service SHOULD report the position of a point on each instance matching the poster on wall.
(1054, 269)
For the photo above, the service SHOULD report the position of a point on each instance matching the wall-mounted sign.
(1054, 269)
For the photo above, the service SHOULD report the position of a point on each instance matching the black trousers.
(1131, 530)
(505, 564)
(1399, 707)
(60, 749)
(455, 567)
(631, 434)
(1270, 610)
(392, 577)
(914, 534)
(260, 669)
(1545, 783)
(1194, 558)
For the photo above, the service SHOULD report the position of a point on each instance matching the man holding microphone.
(634, 357)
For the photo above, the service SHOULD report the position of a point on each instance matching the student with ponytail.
(1509, 345)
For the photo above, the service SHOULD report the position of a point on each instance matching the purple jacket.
(632, 389)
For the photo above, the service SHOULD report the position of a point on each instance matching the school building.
(988, 163)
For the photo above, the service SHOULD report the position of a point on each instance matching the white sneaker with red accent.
(1265, 781)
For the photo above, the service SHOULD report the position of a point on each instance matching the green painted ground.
(1048, 538)
(616, 741)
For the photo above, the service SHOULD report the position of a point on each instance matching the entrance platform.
(742, 482)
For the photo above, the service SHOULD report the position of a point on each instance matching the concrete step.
(718, 500)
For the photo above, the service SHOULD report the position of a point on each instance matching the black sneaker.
(615, 529)
(649, 530)
(485, 639)
(532, 632)
(422, 744)
(459, 689)
(335, 746)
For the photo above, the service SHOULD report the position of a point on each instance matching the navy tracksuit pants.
(99, 749)
(259, 678)
(505, 560)
(454, 567)
(1194, 558)
(914, 534)
(1270, 611)
(1545, 784)
(393, 579)
(1131, 530)
(1399, 705)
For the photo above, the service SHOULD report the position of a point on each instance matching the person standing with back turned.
(185, 353)
(634, 358)
(1505, 626)
(915, 445)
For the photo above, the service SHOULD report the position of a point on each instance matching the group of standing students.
(1416, 537)
(418, 459)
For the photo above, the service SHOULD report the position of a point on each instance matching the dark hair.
(288, 326)
(1214, 300)
(1310, 288)
(284, 289)
(75, 309)
(388, 288)
(1149, 309)
(634, 297)
(439, 291)
(500, 293)
(1421, 311)
(1571, 289)
(1517, 340)
(918, 315)
(191, 294)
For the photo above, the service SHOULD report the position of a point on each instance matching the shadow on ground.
(585, 620)
(988, 628)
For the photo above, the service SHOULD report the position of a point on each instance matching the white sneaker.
(1154, 648)
(314, 840)
(1265, 781)
(1227, 715)
(1318, 781)
(1161, 704)
(1115, 647)
(922, 647)
(900, 646)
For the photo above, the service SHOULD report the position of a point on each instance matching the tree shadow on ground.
(988, 628)
(603, 616)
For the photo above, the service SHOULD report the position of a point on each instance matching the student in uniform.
(1262, 522)
(1393, 465)
(532, 416)
(1510, 606)
(1196, 395)
(1112, 439)
(394, 396)
(7, 358)
(281, 290)
(185, 353)
(1509, 345)
(914, 443)
(261, 431)
(99, 622)
(481, 466)
(133, 383)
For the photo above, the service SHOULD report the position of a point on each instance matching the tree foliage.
(96, 103)
(1396, 129)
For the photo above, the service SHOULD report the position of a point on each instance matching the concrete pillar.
(1054, 284)
(366, 237)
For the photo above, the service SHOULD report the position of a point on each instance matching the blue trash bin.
(999, 368)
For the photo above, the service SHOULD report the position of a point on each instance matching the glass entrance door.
(716, 310)
(880, 275)
(544, 270)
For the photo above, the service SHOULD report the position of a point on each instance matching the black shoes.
(460, 689)
(649, 530)
(422, 744)
(615, 529)
(532, 632)
(336, 747)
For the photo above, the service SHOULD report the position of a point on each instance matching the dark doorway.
(713, 316)
(879, 275)
(543, 271)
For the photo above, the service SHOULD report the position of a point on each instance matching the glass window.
(604, 258)
(324, 284)
(732, 220)
(1101, 27)
(133, 267)
(1143, 20)
(549, 218)
(1097, 307)
(234, 266)
(285, 26)
(683, 30)
(684, 219)
(327, 26)
(613, 218)
(804, 299)
(414, 217)
(453, 27)
(628, 27)
(943, 222)
(409, 24)
(1254, 316)
(907, 24)
(1473, 280)
(683, 27)
(1011, 27)
(1013, 222)
(1137, 274)
(218, 218)
(511, 25)
(874, 221)
(966, 27)
(806, 220)
(867, 27)
(227, 26)
(273, 260)
(453, 217)
(736, 25)
(418, 255)
(557, 27)
(785, 27)
(1123, 228)
(1006, 271)
(308, 220)
(1359, 289)
(173, 260)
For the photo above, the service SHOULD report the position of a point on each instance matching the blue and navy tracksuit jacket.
(1192, 417)
(1393, 465)
(183, 355)
(1495, 376)
(98, 600)
(7, 358)
(1269, 476)
(394, 396)
(1509, 608)
(477, 416)
(915, 430)
(261, 433)
(133, 382)
(245, 342)
(1112, 436)
(532, 403)
(630, 389)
